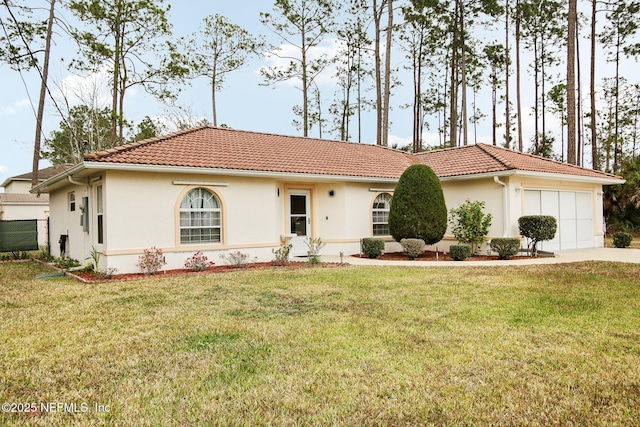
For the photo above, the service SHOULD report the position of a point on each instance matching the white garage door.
(572, 209)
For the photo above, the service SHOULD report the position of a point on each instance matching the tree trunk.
(518, 78)
(377, 15)
(571, 82)
(507, 135)
(43, 93)
(386, 102)
(463, 79)
(595, 163)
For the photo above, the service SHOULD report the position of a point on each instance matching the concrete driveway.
(575, 255)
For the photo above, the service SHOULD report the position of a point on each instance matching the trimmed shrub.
(418, 209)
(469, 224)
(622, 239)
(505, 247)
(372, 247)
(460, 252)
(412, 248)
(537, 228)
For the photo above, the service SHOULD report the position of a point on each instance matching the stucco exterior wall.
(66, 222)
(141, 210)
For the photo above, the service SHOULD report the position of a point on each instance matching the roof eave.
(88, 165)
(44, 186)
(534, 174)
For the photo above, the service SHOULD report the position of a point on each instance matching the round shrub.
(505, 247)
(537, 228)
(372, 247)
(418, 209)
(460, 252)
(412, 248)
(622, 239)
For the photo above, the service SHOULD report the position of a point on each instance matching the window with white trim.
(200, 217)
(100, 213)
(381, 206)
(72, 201)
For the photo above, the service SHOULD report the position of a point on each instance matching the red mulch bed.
(90, 277)
(431, 256)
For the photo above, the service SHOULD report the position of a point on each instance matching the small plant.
(460, 252)
(151, 261)
(238, 259)
(66, 263)
(505, 247)
(94, 255)
(314, 245)
(282, 255)
(198, 262)
(105, 273)
(44, 254)
(537, 228)
(622, 239)
(469, 224)
(372, 247)
(412, 248)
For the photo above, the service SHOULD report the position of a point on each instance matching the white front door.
(299, 216)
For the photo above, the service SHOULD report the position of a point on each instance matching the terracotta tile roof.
(482, 158)
(221, 148)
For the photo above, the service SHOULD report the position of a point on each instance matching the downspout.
(505, 207)
(73, 181)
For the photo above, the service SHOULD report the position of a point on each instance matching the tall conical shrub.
(418, 209)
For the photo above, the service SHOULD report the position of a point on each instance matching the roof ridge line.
(501, 160)
(558, 162)
(135, 144)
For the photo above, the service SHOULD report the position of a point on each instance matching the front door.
(299, 220)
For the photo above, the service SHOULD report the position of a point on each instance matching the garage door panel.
(550, 205)
(584, 206)
(572, 209)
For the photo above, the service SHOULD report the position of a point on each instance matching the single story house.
(217, 190)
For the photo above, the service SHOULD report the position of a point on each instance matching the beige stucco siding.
(64, 221)
(142, 209)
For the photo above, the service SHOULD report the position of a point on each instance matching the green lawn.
(353, 346)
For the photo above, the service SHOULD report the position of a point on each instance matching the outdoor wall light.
(332, 193)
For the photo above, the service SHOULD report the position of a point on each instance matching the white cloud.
(283, 55)
(398, 141)
(4, 169)
(15, 107)
(92, 89)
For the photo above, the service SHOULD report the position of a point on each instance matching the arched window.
(381, 206)
(200, 217)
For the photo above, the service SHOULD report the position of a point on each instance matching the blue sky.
(243, 104)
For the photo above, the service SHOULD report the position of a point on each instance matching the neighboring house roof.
(43, 174)
(23, 199)
(230, 151)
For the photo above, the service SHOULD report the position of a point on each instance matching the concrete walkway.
(575, 255)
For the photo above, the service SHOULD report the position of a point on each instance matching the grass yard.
(353, 346)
